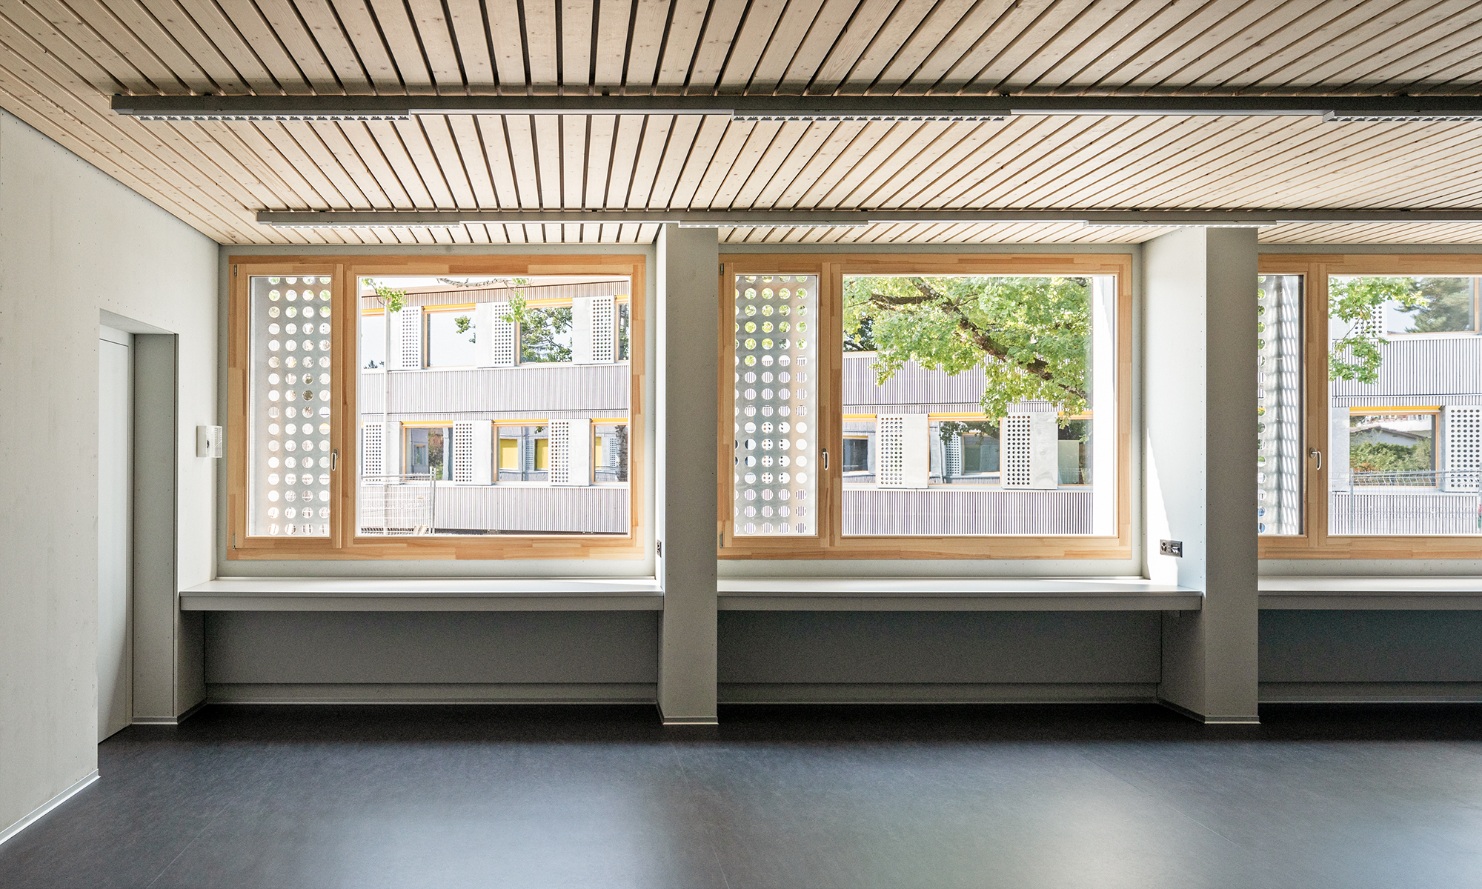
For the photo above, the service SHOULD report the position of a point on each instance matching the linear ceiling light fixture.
(856, 218)
(805, 108)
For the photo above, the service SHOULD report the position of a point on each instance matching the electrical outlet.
(1173, 548)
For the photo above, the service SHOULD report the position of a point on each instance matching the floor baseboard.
(47, 806)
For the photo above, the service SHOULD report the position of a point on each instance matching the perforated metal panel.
(1279, 405)
(890, 438)
(594, 328)
(775, 394)
(1016, 451)
(1463, 437)
(560, 457)
(462, 453)
(372, 450)
(407, 338)
(289, 402)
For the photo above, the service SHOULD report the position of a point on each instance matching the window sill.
(919, 594)
(1330, 593)
(415, 594)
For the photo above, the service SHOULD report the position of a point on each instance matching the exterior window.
(452, 340)
(947, 407)
(426, 452)
(524, 453)
(1392, 456)
(490, 404)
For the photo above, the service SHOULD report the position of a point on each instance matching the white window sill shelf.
(422, 594)
(955, 594)
(1371, 593)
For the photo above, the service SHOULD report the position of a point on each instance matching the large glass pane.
(493, 405)
(289, 461)
(979, 405)
(1279, 405)
(775, 390)
(1405, 408)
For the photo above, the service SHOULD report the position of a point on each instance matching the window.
(488, 403)
(1371, 406)
(926, 406)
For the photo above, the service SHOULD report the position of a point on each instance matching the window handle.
(334, 460)
(825, 459)
(1314, 452)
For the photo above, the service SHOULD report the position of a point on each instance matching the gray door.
(115, 534)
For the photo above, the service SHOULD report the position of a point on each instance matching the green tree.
(1356, 355)
(1030, 335)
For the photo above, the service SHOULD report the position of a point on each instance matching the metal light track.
(1336, 108)
(852, 218)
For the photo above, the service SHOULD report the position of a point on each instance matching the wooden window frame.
(343, 543)
(829, 542)
(1314, 541)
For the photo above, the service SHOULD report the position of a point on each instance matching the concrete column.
(1199, 405)
(688, 364)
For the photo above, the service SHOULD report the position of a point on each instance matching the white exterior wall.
(73, 244)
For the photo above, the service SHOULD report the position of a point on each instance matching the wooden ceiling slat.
(92, 135)
(1042, 143)
(845, 48)
(795, 192)
(542, 44)
(256, 149)
(97, 33)
(1454, 55)
(368, 149)
(1120, 64)
(1386, 37)
(433, 176)
(784, 144)
(325, 178)
(471, 33)
(229, 42)
(692, 160)
(849, 161)
(334, 43)
(469, 144)
(1076, 65)
(938, 42)
(1110, 154)
(777, 57)
(400, 37)
(808, 144)
(501, 163)
(128, 22)
(755, 33)
(715, 45)
(818, 40)
(701, 189)
(574, 165)
(435, 35)
(645, 42)
(456, 169)
(601, 131)
(892, 33)
(248, 184)
(387, 137)
(651, 147)
(1321, 25)
(167, 17)
(949, 164)
(1454, 37)
(547, 140)
(279, 23)
(611, 55)
(33, 33)
(348, 159)
(900, 149)
(975, 65)
(682, 132)
(1012, 62)
(508, 44)
(625, 145)
(576, 46)
(1235, 30)
(760, 145)
(520, 138)
(686, 20)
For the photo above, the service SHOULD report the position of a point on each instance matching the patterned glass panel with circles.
(1279, 405)
(289, 401)
(776, 393)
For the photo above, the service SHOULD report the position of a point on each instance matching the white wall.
(74, 244)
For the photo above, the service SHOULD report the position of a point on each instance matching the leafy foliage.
(1356, 355)
(1373, 456)
(545, 333)
(392, 298)
(1030, 335)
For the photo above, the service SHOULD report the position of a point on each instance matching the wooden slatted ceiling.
(65, 57)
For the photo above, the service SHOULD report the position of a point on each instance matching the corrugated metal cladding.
(915, 390)
(531, 391)
(1440, 365)
(963, 510)
(456, 295)
(535, 509)
(1388, 513)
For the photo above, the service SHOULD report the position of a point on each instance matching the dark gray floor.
(1016, 797)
